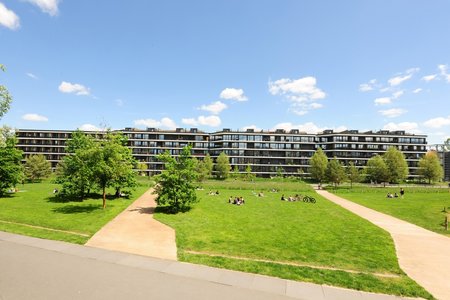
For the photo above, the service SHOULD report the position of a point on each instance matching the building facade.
(268, 153)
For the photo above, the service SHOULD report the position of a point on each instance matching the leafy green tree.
(335, 172)
(112, 164)
(248, 173)
(142, 168)
(37, 167)
(222, 166)
(353, 174)
(176, 184)
(235, 172)
(11, 171)
(377, 170)
(280, 172)
(209, 165)
(201, 169)
(74, 172)
(396, 164)
(430, 167)
(318, 165)
(5, 97)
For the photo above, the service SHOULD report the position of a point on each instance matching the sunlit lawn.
(293, 240)
(424, 207)
(35, 205)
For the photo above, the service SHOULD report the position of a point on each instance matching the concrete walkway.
(32, 268)
(135, 231)
(422, 254)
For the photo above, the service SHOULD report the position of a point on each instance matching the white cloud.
(443, 69)
(397, 80)
(233, 94)
(254, 127)
(392, 113)
(429, 77)
(73, 88)
(211, 121)
(382, 101)
(119, 102)
(437, 122)
(397, 94)
(34, 118)
(302, 93)
(8, 18)
(416, 91)
(166, 123)
(299, 90)
(308, 127)
(89, 127)
(406, 126)
(214, 108)
(47, 6)
(365, 87)
(31, 75)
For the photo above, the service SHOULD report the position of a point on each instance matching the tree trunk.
(104, 197)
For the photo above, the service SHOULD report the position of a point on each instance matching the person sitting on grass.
(283, 198)
(395, 195)
(389, 195)
(261, 194)
(230, 200)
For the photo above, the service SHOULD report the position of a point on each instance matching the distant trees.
(37, 167)
(318, 165)
(176, 184)
(11, 171)
(353, 174)
(396, 165)
(335, 172)
(377, 170)
(222, 166)
(96, 163)
(430, 167)
(204, 168)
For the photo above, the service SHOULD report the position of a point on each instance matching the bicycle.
(309, 199)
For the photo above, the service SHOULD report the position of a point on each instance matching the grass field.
(34, 211)
(319, 243)
(421, 206)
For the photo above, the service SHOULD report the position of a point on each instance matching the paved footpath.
(32, 268)
(422, 254)
(135, 231)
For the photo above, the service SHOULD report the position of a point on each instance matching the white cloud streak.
(308, 127)
(416, 91)
(233, 94)
(8, 18)
(34, 118)
(47, 6)
(73, 88)
(437, 122)
(382, 101)
(411, 127)
(165, 123)
(214, 108)
(31, 75)
(89, 127)
(393, 113)
(429, 77)
(211, 121)
(369, 86)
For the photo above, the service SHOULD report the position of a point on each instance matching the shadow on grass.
(61, 198)
(76, 209)
(169, 210)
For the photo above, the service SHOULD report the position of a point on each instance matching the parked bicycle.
(309, 199)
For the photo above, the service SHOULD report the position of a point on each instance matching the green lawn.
(319, 243)
(35, 205)
(421, 206)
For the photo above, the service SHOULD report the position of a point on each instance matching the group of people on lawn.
(236, 200)
(297, 197)
(395, 195)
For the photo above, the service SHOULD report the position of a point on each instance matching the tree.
(37, 167)
(430, 167)
(175, 185)
(113, 165)
(142, 168)
(353, 174)
(248, 173)
(396, 164)
(377, 170)
(74, 172)
(5, 97)
(335, 172)
(209, 165)
(11, 171)
(235, 172)
(200, 167)
(222, 166)
(318, 165)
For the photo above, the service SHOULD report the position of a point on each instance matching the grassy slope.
(320, 234)
(35, 205)
(421, 206)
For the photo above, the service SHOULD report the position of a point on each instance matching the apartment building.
(267, 152)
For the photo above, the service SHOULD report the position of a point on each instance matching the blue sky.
(311, 65)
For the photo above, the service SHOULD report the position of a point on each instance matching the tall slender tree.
(318, 165)
(396, 164)
(353, 174)
(5, 97)
(430, 167)
(335, 172)
(376, 170)
(11, 171)
(222, 166)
